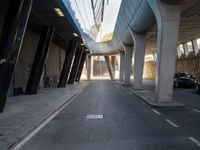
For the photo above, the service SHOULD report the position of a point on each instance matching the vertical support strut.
(89, 66)
(75, 66)
(168, 23)
(69, 54)
(127, 64)
(10, 43)
(122, 65)
(80, 69)
(109, 66)
(40, 59)
(113, 62)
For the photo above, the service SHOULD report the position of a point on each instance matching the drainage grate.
(94, 116)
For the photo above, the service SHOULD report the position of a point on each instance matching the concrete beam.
(122, 65)
(113, 62)
(168, 22)
(67, 63)
(139, 53)
(109, 66)
(89, 66)
(12, 36)
(40, 59)
(128, 64)
(80, 68)
(75, 66)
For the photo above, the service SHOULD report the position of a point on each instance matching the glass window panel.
(180, 49)
(198, 43)
(190, 47)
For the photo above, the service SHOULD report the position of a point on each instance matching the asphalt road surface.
(107, 117)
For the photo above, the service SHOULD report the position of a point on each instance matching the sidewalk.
(25, 113)
(147, 94)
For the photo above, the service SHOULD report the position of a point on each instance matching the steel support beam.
(89, 66)
(75, 66)
(10, 43)
(113, 62)
(109, 66)
(69, 54)
(40, 59)
(122, 65)
(80, 69)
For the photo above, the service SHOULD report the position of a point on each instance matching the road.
(107, 117)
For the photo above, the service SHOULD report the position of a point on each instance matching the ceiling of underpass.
(43, 14)
(189, 25)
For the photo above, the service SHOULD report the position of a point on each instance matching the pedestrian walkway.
(25, 113)
(182, 96)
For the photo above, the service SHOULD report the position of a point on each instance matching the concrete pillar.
(128, 64)
(88, 65)
(39, 60)
(76, 63)
(12, 36)
(168, 22)
(195, 47)
(69, 54)
(113, 63)
(122, 65)
(139, 53)
(92, 66)
(80, 69)
(109, 66)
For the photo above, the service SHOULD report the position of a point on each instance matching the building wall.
(25, 60)
(150, 70)
(53, 65)
(190, 66)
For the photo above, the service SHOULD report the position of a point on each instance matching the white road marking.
(194, 141)
(196, 110)
(130, 93)
(171, 123)
(94, 116)
(156, 112)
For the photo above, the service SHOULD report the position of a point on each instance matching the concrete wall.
(190, 66)
(150, 70)
(53, 65)
(25, 60)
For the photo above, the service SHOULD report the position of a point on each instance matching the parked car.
(197, 86)
(183, 80)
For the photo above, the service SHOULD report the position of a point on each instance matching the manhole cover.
(94, 116)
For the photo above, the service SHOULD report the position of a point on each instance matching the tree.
(107, 37)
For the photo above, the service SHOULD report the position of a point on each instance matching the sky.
(83, 12)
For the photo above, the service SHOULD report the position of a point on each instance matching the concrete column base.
(128, 64)
(122, 63)
(109, 66)
(89, 66)
(139, 53)
(168, 22)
